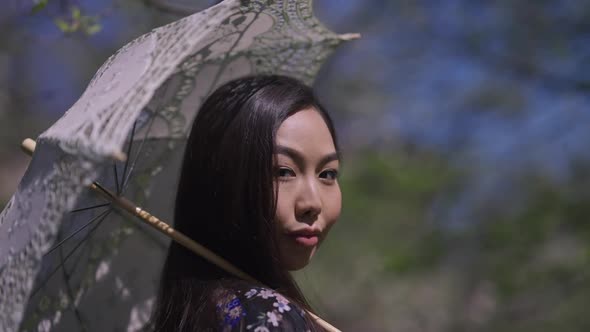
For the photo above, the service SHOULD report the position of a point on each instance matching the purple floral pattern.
(259, 309)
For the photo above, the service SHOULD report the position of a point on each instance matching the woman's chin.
(295, 263)
(296, 266)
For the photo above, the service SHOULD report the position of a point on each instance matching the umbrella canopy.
(63, 251)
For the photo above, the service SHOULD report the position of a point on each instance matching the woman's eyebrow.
(329, 157)
(298, 158)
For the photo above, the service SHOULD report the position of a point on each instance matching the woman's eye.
(330, 174)
(285, 172)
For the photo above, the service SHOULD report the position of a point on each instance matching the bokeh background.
(465, 127)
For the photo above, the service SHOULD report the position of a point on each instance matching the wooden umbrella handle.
(28, 146)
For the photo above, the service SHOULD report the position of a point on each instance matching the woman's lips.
(308, 241)
(306, 237)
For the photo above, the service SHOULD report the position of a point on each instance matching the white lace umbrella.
(65, 265)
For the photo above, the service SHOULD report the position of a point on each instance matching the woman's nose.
(309, 203)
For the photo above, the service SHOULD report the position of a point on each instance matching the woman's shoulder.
(243, 306)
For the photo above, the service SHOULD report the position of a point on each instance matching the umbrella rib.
(217, 76)
(90, 207)
(78, 259)
(226, 55)
(126, 181)
(118, 190)
(69, 254)
(66, 276)
(72, 221)
(76, 231)
(128, 153)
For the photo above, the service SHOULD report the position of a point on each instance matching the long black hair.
(225, 199)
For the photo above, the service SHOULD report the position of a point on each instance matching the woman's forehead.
(306, 131)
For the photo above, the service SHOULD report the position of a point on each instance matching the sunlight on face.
(309, 198)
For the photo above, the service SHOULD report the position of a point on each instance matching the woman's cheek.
(283, 206)
(334, 207)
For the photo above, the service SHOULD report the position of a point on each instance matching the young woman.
(259, 187)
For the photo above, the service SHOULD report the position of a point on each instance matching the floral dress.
(258, 309)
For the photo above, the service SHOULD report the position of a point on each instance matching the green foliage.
(535, 259)
(387, 197)
(63, 25)
(416, 256)
(77, 22)
(39, 5)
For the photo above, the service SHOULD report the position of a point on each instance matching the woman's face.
(309, 198)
